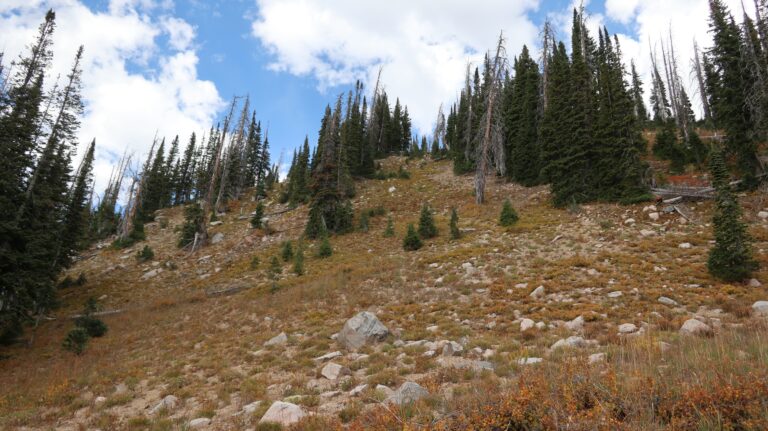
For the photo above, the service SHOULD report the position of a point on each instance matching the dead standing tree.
(134, 198)
(490, 137)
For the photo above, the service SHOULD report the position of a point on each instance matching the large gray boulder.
(364, 328)
(285, 414)
(695, 327)
(760, 309)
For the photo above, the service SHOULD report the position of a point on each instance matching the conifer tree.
(287, 251)
(193, 216)
(258, 215)
(298, 259)
(411, 242)
(389, 231)
(454, 225)
(730, 259)
(508, 215)
(637, 95)
(324, 250)
(427, 227)
(77, 211)
(521, 118)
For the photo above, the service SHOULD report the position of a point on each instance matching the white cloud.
(423, 46)
(123, 108)
(621, 10)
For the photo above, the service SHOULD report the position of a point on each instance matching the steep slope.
(604, 271)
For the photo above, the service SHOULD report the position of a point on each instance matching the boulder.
(529, 361)
(357, 390)
(596, 357)
(362, 329)
(695, 327)
(760, 309)
(249, 409)
(753, 282)
(333, 371)
(627, 328)
(654, 216)
(570, 342)
(328, 356)
(763, 215)
(277, 340)
(452, 348)
(407, 393)
(285, 414)
(219, 237)
(668, 301)
(576, 324)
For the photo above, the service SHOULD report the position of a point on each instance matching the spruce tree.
(324, 250)
(730, 259)
(521, 119)
(411, 242)
(508, 215)
(427, 227)
(389, 231)
(258, 215)
(454, 225)
(287, 251)
(298, 259)
(193, 216)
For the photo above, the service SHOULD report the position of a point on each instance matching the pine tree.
(287, 251)
(154, 193)
(364, 221)
(77, 211)
(298, 259)
(637, 95)
(454, 225)
(184, 173)
(427, 227)
(258, 215)
(508, 215)
(411, 242)
(731, 257)
(193, 216)
(324, 250)
(521, 118)
(389, 231)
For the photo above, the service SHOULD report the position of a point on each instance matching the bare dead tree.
(233, 151)
(491, 141)
(134, 199)
(547, 48)
(756, 98)
(698, 69)
(439, 132)
(467, 92)
(201, 236)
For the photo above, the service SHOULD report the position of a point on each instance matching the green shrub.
(145, 254)
(454, 226)
(411, 242)
(76, 340)
(389, 232)
(258, 215)
(287, 251)
(508, 215)
(427, 228)
(325, 250)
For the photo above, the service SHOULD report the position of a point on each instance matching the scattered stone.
(526, 324)
(452, 348)
(328, 356)
(283, 413)
(647, 233)
(168, 403)
(521, 286)
(629, 221)
(576, 324)
(386, 390)
(695, 327)
(596, 358)
(615, 294)
(529, 361)
(538, 292)
(330, 394)
(333, 371)
(627, 328)
(432, 328)
(668, 301)
(540, 325)
(219, 237)
(488, 354)
(463, 363)
(362, 329)
(763, 215)
(407, 393)
(760, 309)
(249, 409)
(217, 223)
(199, 423)
(685, 245)
(277, 340)
(357, 390)
(754, 283)
(654, 216)
(151, 274)
(99, 401)
(571, 342)
(392, 189)
(121, 389)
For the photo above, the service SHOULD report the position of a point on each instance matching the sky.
(169, 67)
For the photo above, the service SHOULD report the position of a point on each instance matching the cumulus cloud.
(124, 108)
(423, 46)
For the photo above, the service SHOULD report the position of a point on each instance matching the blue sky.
(170, 66)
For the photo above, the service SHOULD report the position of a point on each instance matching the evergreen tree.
(185, 173)
(454, 226)
(298, 259)
(731, 257)
(389, 231)
(521, 118)
(324, 250)
(427, 228)
(258, 215)
(77, 212)
(193, 216)
(667, 147)
(287, 251)
(411, 242)
(637, 96)
(508, 215)
(154, 194)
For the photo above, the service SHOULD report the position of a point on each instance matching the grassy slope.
(172, 339)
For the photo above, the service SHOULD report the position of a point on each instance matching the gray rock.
(685, 246)
(285, 414)
(526, 324)
(199, 423)
(249, 409)
(407, 393)
(152, 274)
(277, 340)
(627, 328)
(362, 329)
(357, 390)
(538, 292)
(386, 390)
(596, 357)
(333, 371)
(328, 356)
(219, 237)
(574, 342)
(217, 223)
(763, 215)
(753, 282)
(695, 327)
(760, 309)
(615, 294)
(168, 403)
(668, 301)
(452, 349)
(654, 216)
(464, 363)
(576, 324)
(529, 361)
(647, 233)
(99, 401)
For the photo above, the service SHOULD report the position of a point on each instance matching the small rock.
(629, 221)
(760, 309)
(328, 356)
(392, 189)
(168, 403)
(384, 390)
(615, 294)
(219, 237)
(596, 357)
(217, 223)
(572, 342)
(755, 283)
(407, 393)
(529, 361)
(538, 292)
(763, 215)
(199, 423)
(576, 324)
(654, 216)
(695, 327)
(647, 233)
(627, 328)
(99, 401)
(330, 394)
(521, 286)
(249, 409)
(432, 328)
(541, 325)
(668, 301)
(685, 245)
(283, 413)
(526, 324)
(333, 371)
(362, 329)
(357, 390)
(452, 349)
(277, 340)
(151, 274)
(121, 389)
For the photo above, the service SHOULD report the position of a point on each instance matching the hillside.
(618, 283)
